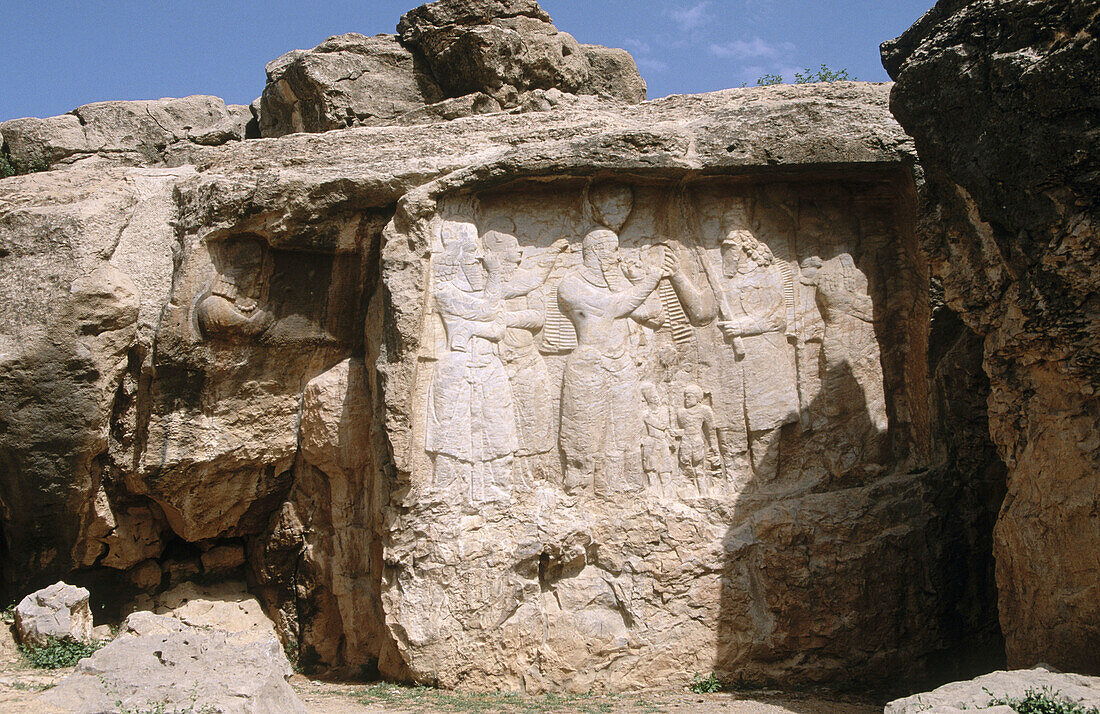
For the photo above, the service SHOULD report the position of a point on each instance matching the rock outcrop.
(1001, 100)
(347, 80)
(978, 693)
(592, 398)
(157, 661)
(135, 133)
(507, 47)
(59, 612)
(450, 59)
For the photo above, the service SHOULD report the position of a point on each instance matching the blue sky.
(58, 54)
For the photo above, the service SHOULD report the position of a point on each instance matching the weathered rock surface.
(59, 612)
(977, 693)
(129, 133)
(588, 399)
(225, 606)
(347, 80)
(1001, 100)
(159, 661)
(450, 60)
(506, 47)
(259, 376)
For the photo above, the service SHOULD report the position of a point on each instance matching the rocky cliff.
(508, 383)
(1001, 100)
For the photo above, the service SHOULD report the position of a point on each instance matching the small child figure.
(656, 450)
(698, 438)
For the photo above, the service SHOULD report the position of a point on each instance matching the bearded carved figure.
(233, 307)
(470, 430)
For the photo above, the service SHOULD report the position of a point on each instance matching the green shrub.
(807, 76)
(10, 168)
(824, 74)
(705, 685)
(1041, 701)
(56, 653)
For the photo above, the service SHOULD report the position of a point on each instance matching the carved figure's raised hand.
(259, 321)
(634, 270)
(491, 262)
(560, 245)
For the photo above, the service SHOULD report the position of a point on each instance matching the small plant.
(57, 653)
(1041, 701)
(705, 685)
(30, 686)
(162, 707)
(769, 79)
(10, 168)
(823, 74)
(7, 615)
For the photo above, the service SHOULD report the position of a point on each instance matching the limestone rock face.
(130, 133)
(157, 660)
(505, 47)
(87, 269)
(975, 694)
(451, 59)
(347, 80)
(58, 612)
(1000, 98)
(592, 398)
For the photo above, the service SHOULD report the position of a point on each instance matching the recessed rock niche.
(657, 428)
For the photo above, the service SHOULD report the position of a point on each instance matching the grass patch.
(30, 686)
(1041, 701)
(162, 708)
(56, 653)
(428, 699)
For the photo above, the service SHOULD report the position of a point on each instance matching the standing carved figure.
(600, 397)
(698, 447)
(656, 448)
(233, 306)
(809, 332)
(853, 369)
(470, 429)
(522, 361)
(755, 390)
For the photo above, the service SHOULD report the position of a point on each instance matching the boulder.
(222, 558)
(505, 48)
(226, 606)
(978, 693)
(131, 133)
(347, 80)
(159, 661)
(613, 74)
(1000, 98)
(58, 612)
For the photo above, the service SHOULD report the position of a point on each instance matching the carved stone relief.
(234, 304)
(620, 392)
(607, 346)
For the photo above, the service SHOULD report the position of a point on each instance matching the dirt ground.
(327, 698)
(20, 686)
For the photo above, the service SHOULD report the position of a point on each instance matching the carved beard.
(609, 269)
